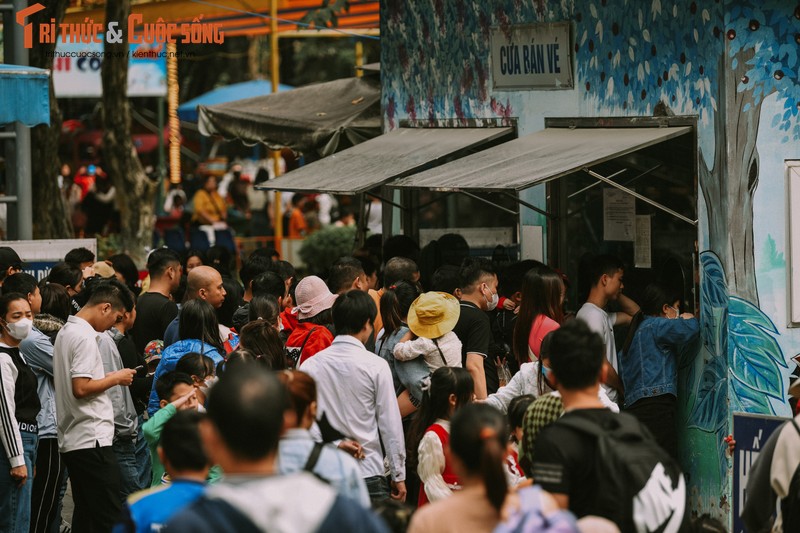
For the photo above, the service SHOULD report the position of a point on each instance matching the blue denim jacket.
(650, 367)
(406, 374)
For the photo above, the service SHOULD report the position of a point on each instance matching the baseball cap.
(9, 258)
(103, 269)
(152, 352)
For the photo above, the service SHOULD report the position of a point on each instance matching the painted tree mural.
(716, 59)
(718, 66)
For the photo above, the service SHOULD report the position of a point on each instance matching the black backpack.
(790, 505)
(636, 471)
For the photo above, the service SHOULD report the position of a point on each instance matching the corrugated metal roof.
(376, 161)
(538, 157)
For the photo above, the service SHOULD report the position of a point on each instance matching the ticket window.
(594, 217)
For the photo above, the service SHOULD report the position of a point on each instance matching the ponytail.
(390, 312)
(395, 303)
(492, 457)
(478, 437)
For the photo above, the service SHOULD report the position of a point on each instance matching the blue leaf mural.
(709, 413)
(755, 358)
(709, 410)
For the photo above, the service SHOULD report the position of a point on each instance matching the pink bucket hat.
(312, 297)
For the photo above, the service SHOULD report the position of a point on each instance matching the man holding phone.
(86, 421)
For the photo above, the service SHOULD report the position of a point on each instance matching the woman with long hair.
(478, 438)
(261, 338)
(51, 471)
(297, 450)
(407, 375)
(198, 331)
(450, 389)
(126, 271)
(19, 407)
(265, 308)
(540, 311)
(648, 362)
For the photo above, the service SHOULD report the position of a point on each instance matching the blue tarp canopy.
(230, 93)
(24, 95)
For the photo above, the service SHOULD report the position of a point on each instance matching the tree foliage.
(634, 55)
(768, 31)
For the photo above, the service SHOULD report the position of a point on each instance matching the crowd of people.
(202, 400)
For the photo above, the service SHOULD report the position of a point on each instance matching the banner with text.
(532, 56)
(76, 70)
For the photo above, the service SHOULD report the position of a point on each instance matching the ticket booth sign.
(532, 56)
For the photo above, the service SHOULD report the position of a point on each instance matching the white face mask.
(20, 329)
(491, 305)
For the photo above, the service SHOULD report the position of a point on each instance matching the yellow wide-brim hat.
(433, 314)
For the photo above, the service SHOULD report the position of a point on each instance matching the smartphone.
(140, 367)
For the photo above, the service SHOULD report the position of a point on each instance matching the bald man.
(202, 283)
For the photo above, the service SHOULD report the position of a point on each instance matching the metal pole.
(359, 58)
(172, 111)
(640, 197)
(162, 156)
(274, 61)
(23, 141)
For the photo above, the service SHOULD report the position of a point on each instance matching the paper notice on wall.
(619, 215)
(642, 248)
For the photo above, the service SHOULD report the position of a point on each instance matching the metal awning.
(26, 95)
(538, 158)
(389, 156)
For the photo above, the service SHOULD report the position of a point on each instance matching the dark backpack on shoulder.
(790, 505)
(641, 482)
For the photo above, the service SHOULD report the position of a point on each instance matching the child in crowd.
(176, 392)
(516, 413)
(181, 452)
(478, 439)
(432, 318)
(449, 389)
(201, 369)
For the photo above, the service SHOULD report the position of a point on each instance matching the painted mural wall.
(734, 65)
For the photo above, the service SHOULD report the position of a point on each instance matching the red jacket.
(289, 320)
(311, 338)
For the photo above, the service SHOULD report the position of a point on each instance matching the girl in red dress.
(450, 389)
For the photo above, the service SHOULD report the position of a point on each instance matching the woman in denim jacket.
(648, 362)
(407, 375)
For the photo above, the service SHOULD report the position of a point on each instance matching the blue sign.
(38, 269)
(750, 433)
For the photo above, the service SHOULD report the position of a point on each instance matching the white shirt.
(603, 323)
(526, 381)
(448, 343)
(355, 391)
(432, 463)
(84, 422)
